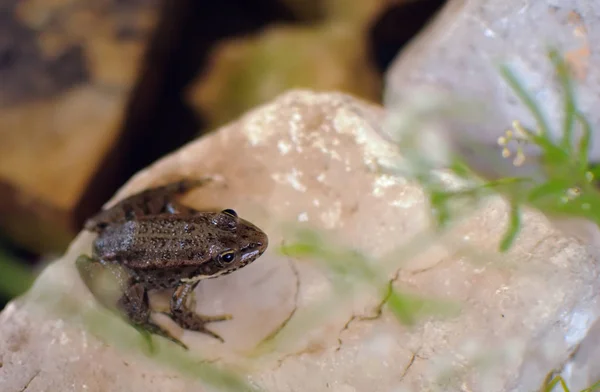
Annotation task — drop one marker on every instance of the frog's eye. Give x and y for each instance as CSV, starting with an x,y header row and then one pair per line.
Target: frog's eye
x,y
231,212
227,257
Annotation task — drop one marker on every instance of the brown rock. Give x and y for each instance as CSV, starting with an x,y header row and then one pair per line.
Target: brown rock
x,y
48,159
66,68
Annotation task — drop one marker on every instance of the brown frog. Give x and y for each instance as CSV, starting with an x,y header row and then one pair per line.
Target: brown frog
x,y
149,241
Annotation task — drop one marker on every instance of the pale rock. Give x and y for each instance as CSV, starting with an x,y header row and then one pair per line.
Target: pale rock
x,y
458,57
460,52
317,160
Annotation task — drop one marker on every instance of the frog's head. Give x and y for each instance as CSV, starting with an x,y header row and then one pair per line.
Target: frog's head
x,y
237,244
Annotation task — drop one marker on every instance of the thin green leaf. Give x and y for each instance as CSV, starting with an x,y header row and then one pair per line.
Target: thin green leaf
x,y
298,249
403,308
554,188
513,228
556,153
527,100
562,72
584,142
586,205
461,169
563,384
506,183
549,385
408,308
439,205
595,387
594,169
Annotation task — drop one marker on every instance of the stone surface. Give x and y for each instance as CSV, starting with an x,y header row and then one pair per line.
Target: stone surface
x,y
460,53
315,159
66,68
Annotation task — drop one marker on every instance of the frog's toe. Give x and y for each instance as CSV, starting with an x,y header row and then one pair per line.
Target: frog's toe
x,y
199,327
187,184
196,322
149,328
212,319
211,333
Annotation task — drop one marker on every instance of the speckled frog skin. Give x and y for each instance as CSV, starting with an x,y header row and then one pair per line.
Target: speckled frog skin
x,y
149,241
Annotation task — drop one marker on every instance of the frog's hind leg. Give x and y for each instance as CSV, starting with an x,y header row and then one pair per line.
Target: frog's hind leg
x,y
188,319
163,197
131,298
124,297
135,306
152,201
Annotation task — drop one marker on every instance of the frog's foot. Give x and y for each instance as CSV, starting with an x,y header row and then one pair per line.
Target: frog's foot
x,y
182,186
167,192
152,201
187,319
135,307
196,322
134,304
147,329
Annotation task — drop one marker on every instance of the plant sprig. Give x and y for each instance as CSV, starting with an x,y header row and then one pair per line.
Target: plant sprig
x,y
567,188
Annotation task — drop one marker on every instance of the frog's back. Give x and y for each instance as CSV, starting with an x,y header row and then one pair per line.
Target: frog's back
x,y
158,242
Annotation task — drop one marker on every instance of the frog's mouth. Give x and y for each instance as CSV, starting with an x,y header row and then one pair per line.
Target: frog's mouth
x,y
251,252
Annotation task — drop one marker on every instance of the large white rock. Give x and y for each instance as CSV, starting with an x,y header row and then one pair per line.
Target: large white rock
x,y
314,159
460,53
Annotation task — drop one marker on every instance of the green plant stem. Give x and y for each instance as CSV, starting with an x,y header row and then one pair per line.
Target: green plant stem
x,y
527,100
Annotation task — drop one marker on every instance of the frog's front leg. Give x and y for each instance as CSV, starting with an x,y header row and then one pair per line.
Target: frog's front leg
x,y
152,201
122,295
135,306
188,319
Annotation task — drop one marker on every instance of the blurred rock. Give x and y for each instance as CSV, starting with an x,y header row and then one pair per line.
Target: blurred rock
x,y
251,71
51,51
314,160
329,54
459,53
396,25
308,10
111,34
583,368
66,68
49,152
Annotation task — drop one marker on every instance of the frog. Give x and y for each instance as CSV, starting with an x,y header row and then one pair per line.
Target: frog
x,y
151,241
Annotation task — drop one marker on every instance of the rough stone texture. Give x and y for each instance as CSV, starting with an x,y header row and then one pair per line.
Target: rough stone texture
x,y
313,159
461,50
66,68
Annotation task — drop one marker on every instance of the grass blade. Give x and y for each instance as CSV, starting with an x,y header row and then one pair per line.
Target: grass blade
x,y
562,71
527,100
584,142
513,228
